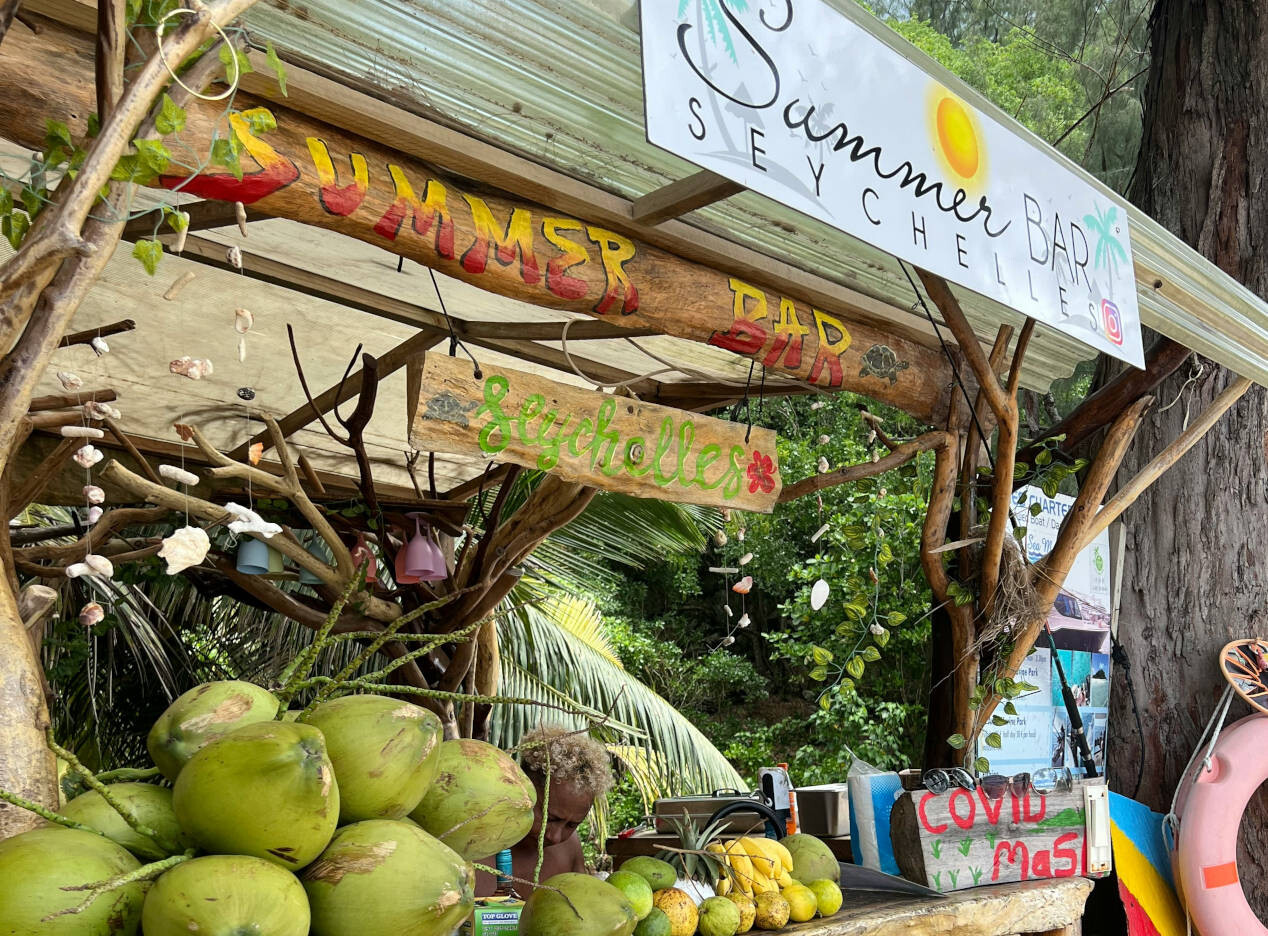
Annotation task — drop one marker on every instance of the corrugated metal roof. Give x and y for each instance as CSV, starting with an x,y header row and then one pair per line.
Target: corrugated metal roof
x,y
560,83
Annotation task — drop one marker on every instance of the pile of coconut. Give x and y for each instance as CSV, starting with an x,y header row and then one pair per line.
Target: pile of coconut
x,y
351,818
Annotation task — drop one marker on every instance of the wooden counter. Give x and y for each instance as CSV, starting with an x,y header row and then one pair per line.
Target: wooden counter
x,y
1035,908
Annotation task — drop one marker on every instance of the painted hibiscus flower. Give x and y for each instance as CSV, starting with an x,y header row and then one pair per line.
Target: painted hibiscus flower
x,y
761,474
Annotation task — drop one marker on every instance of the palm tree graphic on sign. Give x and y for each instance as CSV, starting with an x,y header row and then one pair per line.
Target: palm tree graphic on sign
x,y
1109,252
715,22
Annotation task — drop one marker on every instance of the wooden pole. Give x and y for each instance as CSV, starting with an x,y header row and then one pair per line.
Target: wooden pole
x,y
1131,491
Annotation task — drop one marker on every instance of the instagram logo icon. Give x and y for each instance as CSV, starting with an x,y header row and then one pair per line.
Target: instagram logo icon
x,y
1113,321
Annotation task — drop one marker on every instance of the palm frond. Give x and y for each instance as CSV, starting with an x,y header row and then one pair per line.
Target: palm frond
x,y
565,653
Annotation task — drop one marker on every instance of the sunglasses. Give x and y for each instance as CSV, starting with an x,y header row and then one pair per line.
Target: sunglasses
x,y
997,786
938,780
1052,780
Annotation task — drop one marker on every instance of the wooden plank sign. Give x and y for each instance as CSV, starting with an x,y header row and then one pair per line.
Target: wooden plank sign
x,y
964,839
297,168
605,441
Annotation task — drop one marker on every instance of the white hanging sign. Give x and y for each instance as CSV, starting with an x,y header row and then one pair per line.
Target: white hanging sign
x,y
797,101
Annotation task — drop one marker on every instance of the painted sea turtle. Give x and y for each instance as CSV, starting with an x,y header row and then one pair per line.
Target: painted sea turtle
x,y
880,361
446,407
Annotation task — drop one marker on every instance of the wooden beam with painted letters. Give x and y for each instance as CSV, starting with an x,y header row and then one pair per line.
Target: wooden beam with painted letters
x,y
605,441
298,168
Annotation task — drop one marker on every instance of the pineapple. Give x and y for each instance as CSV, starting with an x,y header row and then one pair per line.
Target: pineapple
x,y
698,869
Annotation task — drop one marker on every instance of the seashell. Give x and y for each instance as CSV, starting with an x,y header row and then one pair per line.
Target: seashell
x,y
822,465
818,534
242,350
819,594
181,234
99,345
727,609
877,628
101,566
234,256
94,494
726,514
743,586
882,492
91,613
728,640
719,538
81,432
185,278
193,368
255,452
88,456
94,566
95,410
240,212
187,547
876,456
743,621
179,475
818,404
248,521
69,381
243,319
739,535
746,559
824,439
94,514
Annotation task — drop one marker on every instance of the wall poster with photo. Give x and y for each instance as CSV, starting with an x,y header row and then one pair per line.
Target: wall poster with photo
x,y
1040,735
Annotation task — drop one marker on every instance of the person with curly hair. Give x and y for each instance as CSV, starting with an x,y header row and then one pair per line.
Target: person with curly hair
x,y
580,771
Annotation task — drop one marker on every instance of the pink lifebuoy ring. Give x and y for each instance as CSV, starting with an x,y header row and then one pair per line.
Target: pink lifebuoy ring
x,y
1210,807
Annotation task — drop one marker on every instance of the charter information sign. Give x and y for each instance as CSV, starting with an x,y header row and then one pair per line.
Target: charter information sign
x,y
797,101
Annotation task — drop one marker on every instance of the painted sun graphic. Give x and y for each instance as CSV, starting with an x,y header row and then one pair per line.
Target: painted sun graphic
x,y
957,140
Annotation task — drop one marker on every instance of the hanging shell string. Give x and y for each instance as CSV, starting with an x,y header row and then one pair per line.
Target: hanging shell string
x,y
250,496
184,486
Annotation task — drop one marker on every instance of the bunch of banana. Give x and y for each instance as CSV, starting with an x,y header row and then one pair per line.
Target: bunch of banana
x,y
752,866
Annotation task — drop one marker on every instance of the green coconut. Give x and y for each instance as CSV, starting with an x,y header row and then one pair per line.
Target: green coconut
x,y
385,877
266,790
203,714
226,895
37,866
385,753
150,805
480,802
812,859
592,908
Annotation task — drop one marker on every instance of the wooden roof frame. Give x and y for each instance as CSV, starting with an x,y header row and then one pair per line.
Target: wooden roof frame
x,y
651,218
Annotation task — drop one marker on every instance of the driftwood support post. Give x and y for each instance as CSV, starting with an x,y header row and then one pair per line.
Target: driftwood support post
x,y
41,287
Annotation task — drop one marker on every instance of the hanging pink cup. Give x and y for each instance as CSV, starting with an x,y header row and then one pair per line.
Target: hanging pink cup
x,y
401,568
423,557
362,555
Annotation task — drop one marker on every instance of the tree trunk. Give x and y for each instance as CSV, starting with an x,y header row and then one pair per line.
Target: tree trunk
x,y
1196,570
26,765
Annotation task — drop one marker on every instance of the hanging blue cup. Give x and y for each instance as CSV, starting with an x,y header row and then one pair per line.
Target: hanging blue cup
x,y
253,557
318,550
